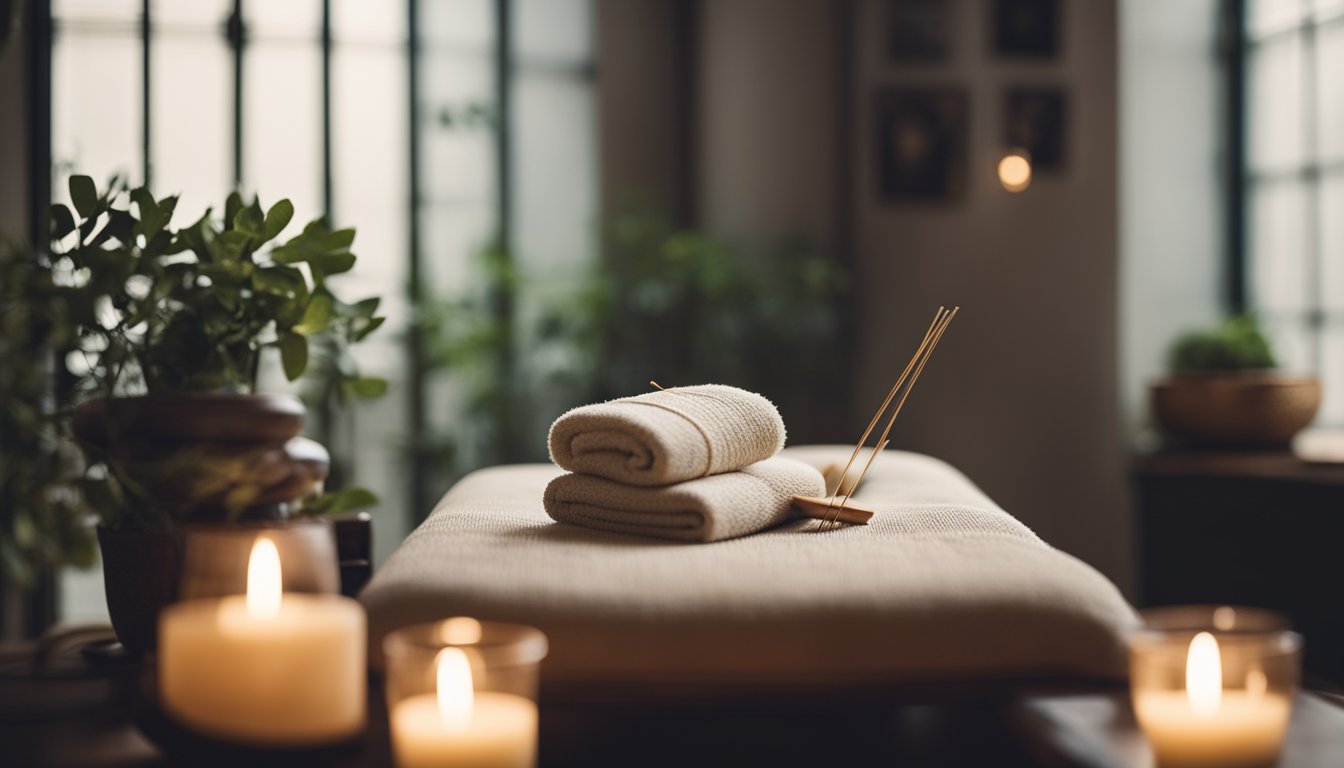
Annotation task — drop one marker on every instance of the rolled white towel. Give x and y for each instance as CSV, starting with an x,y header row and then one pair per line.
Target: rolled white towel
x,y
722,506
668,436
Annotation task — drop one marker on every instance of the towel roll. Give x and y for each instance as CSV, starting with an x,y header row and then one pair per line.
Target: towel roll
x,y
668,436
722,506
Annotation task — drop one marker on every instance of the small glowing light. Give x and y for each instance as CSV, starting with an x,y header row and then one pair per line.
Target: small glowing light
x,y
1204,675
1015,171
456,697
460,630
263,580
1224,618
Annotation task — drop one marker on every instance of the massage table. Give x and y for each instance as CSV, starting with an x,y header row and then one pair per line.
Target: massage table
x,y
791,646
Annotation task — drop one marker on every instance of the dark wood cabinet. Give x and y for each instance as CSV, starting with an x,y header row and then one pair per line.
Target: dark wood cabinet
x,y
1263,529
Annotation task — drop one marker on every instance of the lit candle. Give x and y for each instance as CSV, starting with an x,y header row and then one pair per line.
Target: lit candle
x,y
459,726
1208,723
268,667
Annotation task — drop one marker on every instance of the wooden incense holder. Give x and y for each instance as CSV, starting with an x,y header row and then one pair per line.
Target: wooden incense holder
x,y
837,508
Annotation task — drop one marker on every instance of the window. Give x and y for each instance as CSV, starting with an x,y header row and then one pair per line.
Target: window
x,y
1293,184
346,107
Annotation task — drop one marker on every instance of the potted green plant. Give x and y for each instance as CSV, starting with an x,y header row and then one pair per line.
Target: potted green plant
x,y
172,326
1224,390
42,501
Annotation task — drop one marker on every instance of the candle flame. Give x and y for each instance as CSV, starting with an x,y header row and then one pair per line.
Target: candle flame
x,y
456,696
1204,675
263,580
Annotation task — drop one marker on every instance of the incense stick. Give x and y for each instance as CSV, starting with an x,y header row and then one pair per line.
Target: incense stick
x,y
882,441
942,319
887,402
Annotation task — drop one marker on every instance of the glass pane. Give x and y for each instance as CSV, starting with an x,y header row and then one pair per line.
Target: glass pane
x,y
1274,105
95,107
1292,340
1278,259
1269,16
1332,374
370,21
192,141
206,14
96,10
451,238
460,23
369,112
1330,91
282,130
554,189
553,30
457,144
291,19
1326,9
1332,241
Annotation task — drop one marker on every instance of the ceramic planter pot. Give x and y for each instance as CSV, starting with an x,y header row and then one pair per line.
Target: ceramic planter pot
x,y
1236,409
206,456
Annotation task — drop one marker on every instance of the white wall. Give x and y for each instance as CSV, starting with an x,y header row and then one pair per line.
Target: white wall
x,y
1171,225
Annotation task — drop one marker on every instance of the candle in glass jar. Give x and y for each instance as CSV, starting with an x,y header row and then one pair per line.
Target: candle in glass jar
x,y
459,726
1209,725
268,667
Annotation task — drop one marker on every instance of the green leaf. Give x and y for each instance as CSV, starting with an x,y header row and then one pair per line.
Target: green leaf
x,y
338,241
277,219
280,280
153,217
316,316
367,307
62,222
352,499
368,327
368,387
250,221
293,354
84,194
231,208
332,263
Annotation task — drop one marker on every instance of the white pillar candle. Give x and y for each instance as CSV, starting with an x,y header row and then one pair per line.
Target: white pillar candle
x,y
458,726
1207,725
267,668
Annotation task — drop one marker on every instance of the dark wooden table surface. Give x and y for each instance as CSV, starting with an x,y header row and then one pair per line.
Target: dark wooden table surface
x,y
70,716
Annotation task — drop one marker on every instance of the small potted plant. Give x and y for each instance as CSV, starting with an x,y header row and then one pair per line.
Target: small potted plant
x,y
171,328
1224,390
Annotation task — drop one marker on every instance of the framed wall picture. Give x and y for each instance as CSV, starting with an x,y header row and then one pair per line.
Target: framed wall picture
x,y
919,31
1026,28
1036,119
922,143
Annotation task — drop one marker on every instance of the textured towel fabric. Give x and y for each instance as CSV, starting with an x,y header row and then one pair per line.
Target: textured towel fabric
x,y
942,586
668,436
712,508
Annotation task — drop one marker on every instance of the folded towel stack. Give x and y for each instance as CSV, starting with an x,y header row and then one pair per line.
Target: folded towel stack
x,y
690,463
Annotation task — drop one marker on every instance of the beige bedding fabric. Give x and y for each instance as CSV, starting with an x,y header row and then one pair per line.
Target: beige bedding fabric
x,y
941,586
713,508
668,436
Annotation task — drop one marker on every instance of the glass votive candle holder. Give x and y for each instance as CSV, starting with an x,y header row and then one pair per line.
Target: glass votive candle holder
x,y
1214,685
463,692
261,650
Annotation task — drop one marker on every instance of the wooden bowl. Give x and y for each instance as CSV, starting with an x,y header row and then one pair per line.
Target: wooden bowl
x,y
1245,409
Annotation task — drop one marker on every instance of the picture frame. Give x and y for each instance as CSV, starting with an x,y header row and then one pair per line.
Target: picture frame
x,y
922,142
1035,119
1026,28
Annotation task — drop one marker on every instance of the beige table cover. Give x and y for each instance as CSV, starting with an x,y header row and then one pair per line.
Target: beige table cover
x,y
942,586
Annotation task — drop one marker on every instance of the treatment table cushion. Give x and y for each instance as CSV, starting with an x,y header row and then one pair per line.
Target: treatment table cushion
x,y
941,586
